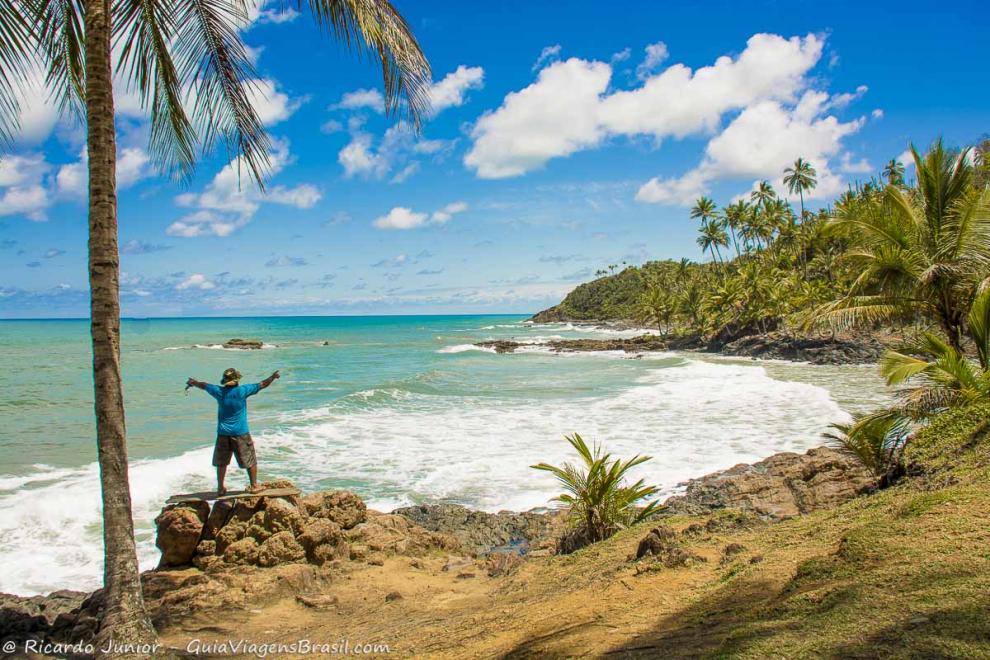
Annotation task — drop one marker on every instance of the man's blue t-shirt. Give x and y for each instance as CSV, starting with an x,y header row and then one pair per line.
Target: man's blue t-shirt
x,y
232,412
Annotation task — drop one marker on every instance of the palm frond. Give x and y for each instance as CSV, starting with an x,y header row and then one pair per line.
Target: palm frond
x,y
211,58
376,24
17,57
143,31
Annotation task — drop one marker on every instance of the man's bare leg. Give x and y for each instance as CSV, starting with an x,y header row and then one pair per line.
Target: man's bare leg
x,y
221,473
253,477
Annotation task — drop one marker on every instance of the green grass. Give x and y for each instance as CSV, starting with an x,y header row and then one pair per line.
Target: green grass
x,y
901,573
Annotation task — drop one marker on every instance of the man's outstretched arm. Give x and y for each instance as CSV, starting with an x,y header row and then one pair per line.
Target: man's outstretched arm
x,y
268,381
192,382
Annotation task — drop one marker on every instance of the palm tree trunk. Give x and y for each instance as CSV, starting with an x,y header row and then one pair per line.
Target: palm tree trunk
x,y
125,620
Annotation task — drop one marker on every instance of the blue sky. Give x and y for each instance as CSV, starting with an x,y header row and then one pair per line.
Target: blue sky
x,y
564,137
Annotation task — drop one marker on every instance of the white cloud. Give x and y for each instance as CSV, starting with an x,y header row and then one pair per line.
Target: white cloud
x,y
849,166
877,113
358,157
656,54
37,112
405,172
22,189
402,217
555,116
621,56
549,53
331,126
195,281
230,201
30,201
906,158
567,108
362,98
449,92
448,212
759,143
271,105
133,165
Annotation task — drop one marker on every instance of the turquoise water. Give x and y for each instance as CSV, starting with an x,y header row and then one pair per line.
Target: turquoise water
x,y
399,409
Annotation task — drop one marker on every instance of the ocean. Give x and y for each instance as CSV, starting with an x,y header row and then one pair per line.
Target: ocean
x,y
400,409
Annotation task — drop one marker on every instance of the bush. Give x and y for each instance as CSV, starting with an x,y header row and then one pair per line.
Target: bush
x,y
600,502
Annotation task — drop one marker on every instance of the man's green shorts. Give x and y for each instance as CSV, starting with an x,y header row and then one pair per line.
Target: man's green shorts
x,y
241,446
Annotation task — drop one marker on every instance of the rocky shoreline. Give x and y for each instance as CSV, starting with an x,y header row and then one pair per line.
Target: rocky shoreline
x,y
254,550
852,349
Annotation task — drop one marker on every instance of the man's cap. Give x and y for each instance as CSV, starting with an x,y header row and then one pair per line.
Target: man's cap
x,y
230,377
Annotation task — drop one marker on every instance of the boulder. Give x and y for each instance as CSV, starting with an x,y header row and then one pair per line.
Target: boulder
x,y
661,544
339,506
395,534
178,530
281,548
281,516
319,532
782,486
244,551
246,344
503,563
479,533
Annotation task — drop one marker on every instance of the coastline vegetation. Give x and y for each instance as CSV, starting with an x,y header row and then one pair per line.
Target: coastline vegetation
x,y
913,255
600,503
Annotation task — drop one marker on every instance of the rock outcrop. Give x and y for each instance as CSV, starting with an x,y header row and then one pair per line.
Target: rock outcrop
x,y
643,343
274,531
816,350
246,344
782,486
480,533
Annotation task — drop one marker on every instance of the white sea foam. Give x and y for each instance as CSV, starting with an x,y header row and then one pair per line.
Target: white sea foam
x,y
215,347
404,447
464,348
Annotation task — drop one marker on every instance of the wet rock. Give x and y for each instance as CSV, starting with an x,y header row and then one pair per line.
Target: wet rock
x,y
246,344
782,486
392,595
53,616
816,350
644,343
179,527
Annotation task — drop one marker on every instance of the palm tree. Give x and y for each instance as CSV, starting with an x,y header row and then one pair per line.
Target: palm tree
x,y
924,252
763,195
711,237
704,209
735,218
943,376
600,502
169,52
800,177
893,171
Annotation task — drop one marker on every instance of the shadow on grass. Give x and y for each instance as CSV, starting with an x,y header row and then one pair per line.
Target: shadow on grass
x,y
743,617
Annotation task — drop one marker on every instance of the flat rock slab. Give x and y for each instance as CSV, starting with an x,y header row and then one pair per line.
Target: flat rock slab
x,y
208,495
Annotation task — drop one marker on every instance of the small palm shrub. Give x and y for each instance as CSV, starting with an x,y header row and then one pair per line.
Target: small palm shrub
x,y
600,502
876,441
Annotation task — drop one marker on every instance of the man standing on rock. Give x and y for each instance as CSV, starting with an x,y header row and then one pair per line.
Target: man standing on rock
x,y
233,436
